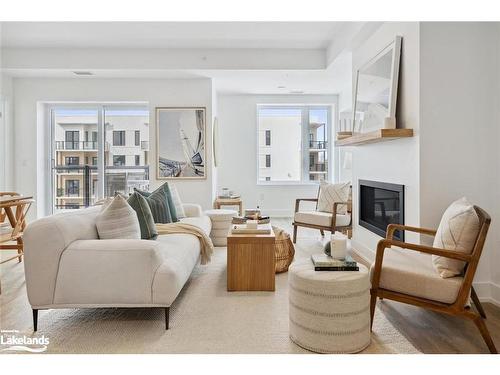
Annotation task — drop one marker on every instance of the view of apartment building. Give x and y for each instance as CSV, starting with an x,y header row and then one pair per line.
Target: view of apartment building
x,y
77,167
282,133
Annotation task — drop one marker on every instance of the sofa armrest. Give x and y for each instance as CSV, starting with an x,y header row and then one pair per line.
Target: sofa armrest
x,y
192,209
115,272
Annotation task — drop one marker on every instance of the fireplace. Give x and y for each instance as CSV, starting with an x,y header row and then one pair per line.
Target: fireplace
x,y
381,204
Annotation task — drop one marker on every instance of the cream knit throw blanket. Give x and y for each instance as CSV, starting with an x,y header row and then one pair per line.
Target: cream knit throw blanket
x,y
207,247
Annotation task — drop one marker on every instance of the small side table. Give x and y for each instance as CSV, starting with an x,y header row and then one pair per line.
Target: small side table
x,y
251,262
219,202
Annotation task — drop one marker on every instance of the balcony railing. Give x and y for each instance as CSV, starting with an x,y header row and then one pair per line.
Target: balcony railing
x,y
81,145
144,145
318,144
121,179
320,167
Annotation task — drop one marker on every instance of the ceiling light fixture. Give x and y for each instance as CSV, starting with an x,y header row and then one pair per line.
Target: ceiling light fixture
x,y
83,73
296,91
282,87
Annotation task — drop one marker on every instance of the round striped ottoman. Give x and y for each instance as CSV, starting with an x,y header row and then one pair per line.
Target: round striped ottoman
x,y
221,222
329,312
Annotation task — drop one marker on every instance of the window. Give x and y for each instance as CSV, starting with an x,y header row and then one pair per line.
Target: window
x,y
95,129
72,139
137,137
268,137
72,160
268,161
300,143
72,188
119,138
118,160
137,159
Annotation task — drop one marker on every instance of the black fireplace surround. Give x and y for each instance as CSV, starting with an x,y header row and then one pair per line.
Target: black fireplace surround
x,y
381,204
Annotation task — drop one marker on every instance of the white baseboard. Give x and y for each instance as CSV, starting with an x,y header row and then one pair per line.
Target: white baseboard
x,y
278,212
486,291
364,252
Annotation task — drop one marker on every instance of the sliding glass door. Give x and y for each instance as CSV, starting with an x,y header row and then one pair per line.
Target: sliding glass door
x,y
97,151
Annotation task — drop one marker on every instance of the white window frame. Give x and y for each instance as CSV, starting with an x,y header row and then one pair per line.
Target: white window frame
x,y
101,108
331,151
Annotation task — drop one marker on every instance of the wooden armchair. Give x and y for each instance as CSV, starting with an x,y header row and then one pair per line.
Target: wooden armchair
x,y
322,220
420,285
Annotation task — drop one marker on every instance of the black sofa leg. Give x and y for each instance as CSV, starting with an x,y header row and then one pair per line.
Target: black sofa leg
x,y
167,316
35,320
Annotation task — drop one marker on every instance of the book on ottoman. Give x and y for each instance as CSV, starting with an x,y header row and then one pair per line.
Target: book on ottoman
x,y
323,262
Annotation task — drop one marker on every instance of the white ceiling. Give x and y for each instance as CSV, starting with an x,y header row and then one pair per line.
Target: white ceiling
x,y
236,36
169,34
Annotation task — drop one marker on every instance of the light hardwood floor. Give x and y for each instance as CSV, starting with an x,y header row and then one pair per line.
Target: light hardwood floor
x,y
428,331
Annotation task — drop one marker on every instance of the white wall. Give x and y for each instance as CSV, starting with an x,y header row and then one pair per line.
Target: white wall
x,y
30,130
237,115
459,129
6,134
394,161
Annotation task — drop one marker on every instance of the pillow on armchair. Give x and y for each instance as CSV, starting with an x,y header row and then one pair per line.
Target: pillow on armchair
x,y
457,231
331,193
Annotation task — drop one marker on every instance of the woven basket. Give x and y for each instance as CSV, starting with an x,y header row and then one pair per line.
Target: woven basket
x,y
284,250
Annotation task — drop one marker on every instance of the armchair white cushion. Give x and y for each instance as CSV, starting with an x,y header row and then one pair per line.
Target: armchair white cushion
x,y
413,273
321,218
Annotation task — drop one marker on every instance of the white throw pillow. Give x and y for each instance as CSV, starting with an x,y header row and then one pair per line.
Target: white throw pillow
x,y
331,193
179,208
457,231
118,220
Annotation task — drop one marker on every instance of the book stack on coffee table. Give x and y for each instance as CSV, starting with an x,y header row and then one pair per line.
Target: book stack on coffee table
x,y
323,262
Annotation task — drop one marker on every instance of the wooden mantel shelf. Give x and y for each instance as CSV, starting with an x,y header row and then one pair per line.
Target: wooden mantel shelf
x,y
375,136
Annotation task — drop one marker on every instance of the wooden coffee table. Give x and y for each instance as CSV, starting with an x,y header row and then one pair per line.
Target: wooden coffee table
x,y
250,262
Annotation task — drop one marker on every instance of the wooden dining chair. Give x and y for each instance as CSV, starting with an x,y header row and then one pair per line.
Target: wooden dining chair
x,y
442,300
16,213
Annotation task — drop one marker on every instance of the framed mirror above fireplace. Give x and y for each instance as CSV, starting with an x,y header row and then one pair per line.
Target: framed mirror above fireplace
x,y
381,204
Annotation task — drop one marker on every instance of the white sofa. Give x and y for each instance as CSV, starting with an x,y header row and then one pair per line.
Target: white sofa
x,y
67,266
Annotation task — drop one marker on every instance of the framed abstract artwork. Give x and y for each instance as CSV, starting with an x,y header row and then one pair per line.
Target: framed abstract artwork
x,y
180,143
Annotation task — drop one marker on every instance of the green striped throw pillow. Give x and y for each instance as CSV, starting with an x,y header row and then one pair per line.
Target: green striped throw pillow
x,y
145,216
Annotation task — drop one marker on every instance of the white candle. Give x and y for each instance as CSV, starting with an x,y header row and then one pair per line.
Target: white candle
x,y
338,246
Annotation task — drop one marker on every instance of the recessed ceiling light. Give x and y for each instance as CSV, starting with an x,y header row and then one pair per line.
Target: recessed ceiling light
x,y
296,91
282,87
82,73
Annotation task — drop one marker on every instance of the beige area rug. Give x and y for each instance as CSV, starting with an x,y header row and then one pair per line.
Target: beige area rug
x,y
205,318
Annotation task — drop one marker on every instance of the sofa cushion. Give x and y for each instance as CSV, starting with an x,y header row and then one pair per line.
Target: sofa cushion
x,y
331,193
145,216
457,231
118,220
176,199
159,204
412,273
321,218
202,222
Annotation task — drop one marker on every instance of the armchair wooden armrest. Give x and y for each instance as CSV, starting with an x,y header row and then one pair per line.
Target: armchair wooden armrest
x,y
298,200
391,228
334,214
383,244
